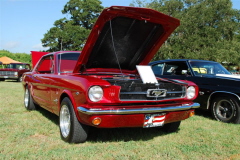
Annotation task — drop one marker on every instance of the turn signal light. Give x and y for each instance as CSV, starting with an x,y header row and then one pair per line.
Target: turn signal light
x,y
96,121
192,113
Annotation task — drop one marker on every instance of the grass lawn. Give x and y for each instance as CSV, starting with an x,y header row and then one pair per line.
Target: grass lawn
x,y
35,135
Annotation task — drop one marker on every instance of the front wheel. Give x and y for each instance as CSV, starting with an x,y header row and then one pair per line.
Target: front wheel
x,y
28,101
19,79
226,109
71,130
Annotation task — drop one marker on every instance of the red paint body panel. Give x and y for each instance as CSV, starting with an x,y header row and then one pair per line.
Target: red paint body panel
x,y
133,120
36,56
144,14
123,89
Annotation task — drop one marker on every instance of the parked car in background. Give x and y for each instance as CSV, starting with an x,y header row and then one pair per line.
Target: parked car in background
x,y
219,90
101,87
14,71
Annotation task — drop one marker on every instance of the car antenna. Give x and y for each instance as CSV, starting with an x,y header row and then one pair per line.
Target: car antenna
x,y
115,49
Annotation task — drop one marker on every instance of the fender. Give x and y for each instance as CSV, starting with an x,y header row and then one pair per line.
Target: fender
x,y
224,92
70,96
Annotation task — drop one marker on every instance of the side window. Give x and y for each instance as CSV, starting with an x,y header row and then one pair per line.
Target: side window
x,y
46,65
157,69
176,68
67,62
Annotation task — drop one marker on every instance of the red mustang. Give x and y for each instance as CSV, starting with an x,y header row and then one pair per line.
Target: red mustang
x,y
102,85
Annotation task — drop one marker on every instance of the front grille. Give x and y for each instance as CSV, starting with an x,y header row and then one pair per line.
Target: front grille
x,y
6,73
136,90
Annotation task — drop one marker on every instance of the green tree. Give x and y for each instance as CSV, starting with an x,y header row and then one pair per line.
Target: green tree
x,y
83,12
71,34
208,30
21,57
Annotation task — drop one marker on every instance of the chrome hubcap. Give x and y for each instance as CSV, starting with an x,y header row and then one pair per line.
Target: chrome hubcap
x,y
26,98
225,110
65,122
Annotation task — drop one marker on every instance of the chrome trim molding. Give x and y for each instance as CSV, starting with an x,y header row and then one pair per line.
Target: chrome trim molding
x,y
138,110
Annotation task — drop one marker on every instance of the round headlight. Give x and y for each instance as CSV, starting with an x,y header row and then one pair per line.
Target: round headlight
x,y
95,93
191,92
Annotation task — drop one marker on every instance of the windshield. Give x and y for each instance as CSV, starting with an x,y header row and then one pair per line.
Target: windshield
x,y
208,68
17,66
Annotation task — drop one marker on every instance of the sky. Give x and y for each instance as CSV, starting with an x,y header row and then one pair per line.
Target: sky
x,y
23,23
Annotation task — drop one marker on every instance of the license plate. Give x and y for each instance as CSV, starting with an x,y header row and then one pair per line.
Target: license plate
x,y
154,120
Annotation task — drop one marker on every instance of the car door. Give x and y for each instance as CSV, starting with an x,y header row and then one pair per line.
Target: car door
x,y
41,86
64,65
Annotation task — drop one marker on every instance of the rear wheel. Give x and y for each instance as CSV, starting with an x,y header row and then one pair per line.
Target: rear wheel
x,y
226,109
28,101
171,127
71,130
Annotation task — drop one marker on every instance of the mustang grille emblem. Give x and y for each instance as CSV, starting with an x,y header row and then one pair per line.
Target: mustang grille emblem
x,y
156,92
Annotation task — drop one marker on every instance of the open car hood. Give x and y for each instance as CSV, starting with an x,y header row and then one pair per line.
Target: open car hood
x,y
124,37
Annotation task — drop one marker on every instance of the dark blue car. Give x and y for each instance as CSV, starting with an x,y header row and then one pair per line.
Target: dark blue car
x,y
219,90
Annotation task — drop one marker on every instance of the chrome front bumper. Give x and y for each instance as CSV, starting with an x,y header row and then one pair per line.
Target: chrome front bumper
x,y
138,110
9,77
